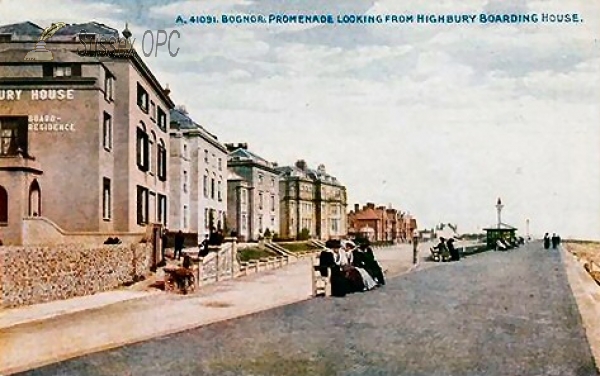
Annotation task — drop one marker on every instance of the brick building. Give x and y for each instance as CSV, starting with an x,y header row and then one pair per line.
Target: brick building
x,y
380,223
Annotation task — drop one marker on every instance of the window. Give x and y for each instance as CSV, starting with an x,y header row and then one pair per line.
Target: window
x,y
13,135
108,85
107,131
162,209
142,205
142,98
205,186
3,205
184,150
185,181
62,71
206,215
244,195
260,200
162,119
162,161
152,156
260,179
153,111
212,188
206,156
260,223
273,222
185,216
219,197
142,147
272,202
243,221
220,164
35,199
106,199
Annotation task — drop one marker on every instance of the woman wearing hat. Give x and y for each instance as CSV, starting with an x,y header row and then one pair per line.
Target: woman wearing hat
x,y
334,258
366,281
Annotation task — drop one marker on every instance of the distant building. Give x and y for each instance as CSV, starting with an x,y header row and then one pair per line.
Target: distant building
x,y
198,174
259,210
380,223
83,137
312,200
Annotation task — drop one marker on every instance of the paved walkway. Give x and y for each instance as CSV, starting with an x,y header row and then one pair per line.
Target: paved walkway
x,y
495,313
46,333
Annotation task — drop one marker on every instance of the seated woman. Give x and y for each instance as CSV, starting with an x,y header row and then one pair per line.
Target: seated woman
x,y
331,258
359,262
364,258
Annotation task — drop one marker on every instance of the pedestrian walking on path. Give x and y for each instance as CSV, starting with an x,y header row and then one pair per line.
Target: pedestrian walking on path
x,y
546,241
179,240
454,255
554,241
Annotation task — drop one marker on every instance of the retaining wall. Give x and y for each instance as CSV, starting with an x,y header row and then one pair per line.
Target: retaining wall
x,y
30,275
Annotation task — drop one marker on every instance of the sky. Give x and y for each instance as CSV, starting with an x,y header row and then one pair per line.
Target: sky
x,y
436,120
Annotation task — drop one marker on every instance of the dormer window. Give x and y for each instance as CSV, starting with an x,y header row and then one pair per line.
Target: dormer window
x,y
5,38
62,71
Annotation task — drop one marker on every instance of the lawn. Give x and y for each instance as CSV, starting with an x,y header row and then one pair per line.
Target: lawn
x,y
253,253
299,246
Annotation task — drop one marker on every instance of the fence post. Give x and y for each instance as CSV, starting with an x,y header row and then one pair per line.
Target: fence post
x,y
415,250
233,257
217,266
200,272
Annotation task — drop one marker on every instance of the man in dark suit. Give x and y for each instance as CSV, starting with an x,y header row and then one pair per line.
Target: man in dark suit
x,y
179,241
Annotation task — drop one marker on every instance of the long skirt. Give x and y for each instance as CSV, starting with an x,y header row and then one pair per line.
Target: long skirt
x,y
368,281
354,278
339,284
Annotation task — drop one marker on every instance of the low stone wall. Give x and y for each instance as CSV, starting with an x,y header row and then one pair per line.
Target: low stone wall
x,y
30,275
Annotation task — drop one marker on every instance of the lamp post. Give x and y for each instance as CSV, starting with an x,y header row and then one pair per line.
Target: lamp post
x,y
499,207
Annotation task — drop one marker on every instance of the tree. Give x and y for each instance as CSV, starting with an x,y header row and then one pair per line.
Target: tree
x,y
304,234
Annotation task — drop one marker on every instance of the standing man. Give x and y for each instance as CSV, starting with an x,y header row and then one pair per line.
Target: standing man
x,y
179,240
554,241
203,251
415,241
546,241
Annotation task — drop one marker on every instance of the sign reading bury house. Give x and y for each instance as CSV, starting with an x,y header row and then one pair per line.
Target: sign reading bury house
x,y
37,94
42,122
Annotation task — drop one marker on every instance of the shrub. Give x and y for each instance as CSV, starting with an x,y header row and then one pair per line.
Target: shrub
x,y
304,234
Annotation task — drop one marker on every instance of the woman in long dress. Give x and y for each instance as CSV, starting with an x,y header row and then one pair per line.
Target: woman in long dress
x,y
365,258
330,259
368,283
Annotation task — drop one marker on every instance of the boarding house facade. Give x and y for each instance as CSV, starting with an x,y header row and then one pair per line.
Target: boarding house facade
x,y
84,139
313,203
198,177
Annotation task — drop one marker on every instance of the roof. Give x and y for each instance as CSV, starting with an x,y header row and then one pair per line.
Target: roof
x,y
29,31
231,175
245,155
15,55
503,227
314,175
367,214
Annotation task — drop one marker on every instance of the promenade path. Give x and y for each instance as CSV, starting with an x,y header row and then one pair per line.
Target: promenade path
x,y
42,334
496,313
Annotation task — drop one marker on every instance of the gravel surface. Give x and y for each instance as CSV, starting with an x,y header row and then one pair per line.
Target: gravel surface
x,y
497,313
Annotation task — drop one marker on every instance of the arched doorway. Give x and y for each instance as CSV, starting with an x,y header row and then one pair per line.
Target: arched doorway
x,y
35,199
3,205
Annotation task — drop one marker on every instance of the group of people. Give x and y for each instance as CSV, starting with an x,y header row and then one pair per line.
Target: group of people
x,y
215,238
351,268
446,250
555,240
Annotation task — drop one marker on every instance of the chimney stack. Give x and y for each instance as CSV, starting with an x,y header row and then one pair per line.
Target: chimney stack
x,y
301,164
356,208
167,91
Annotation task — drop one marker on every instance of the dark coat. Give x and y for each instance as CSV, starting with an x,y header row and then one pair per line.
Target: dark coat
x,y
179,241
365,259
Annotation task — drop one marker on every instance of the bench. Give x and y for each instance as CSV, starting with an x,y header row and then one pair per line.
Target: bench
x,y
321,285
